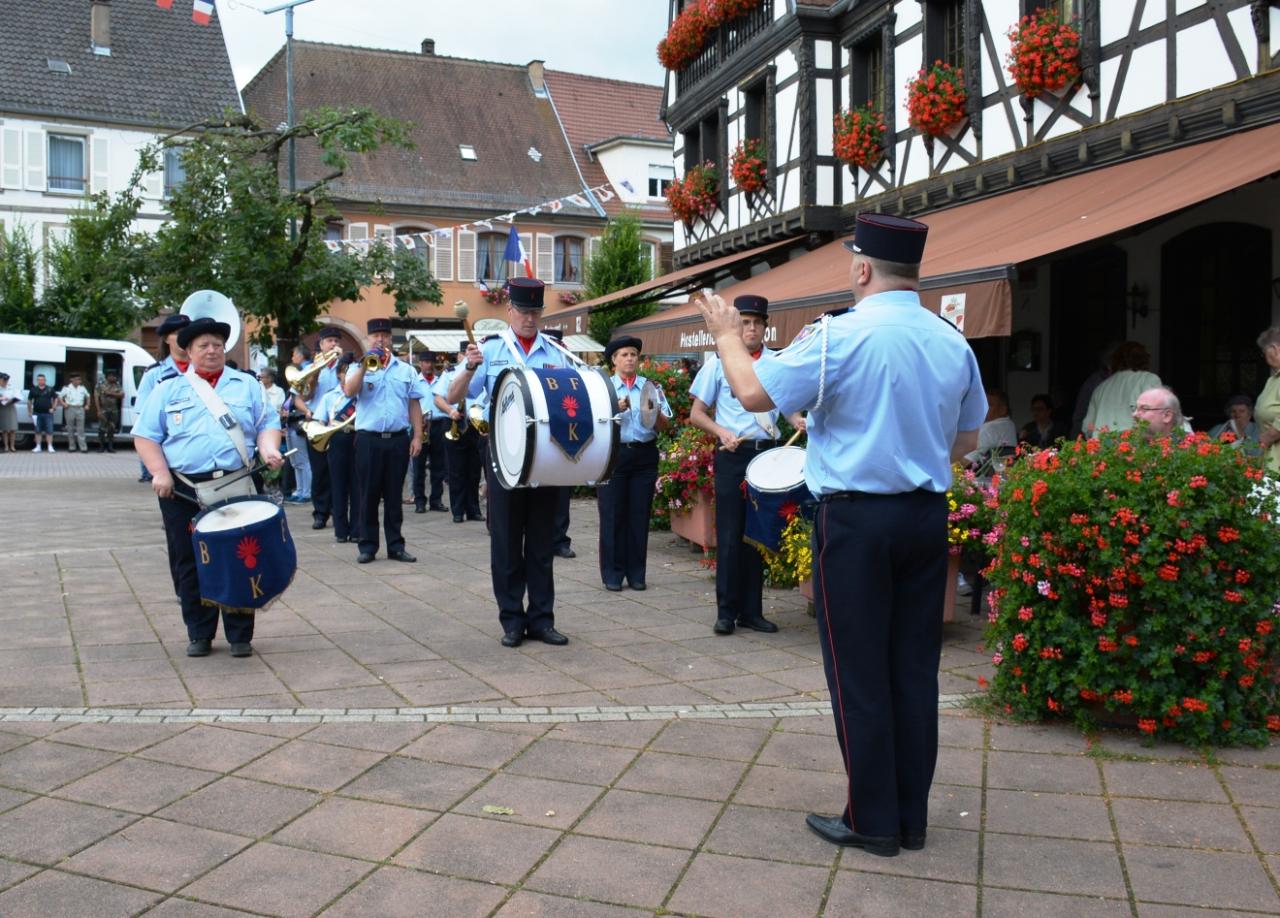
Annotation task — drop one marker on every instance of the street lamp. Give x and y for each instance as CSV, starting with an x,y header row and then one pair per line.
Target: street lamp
x,y
288,93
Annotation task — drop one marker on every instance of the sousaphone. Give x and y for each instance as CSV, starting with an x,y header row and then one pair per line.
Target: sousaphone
x,y
210,304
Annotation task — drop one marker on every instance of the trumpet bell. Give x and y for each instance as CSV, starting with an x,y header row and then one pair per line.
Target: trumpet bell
x,y
478,420
211,304
319,433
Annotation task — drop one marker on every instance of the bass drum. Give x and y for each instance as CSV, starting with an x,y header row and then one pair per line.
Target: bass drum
x,y
553,427
245,557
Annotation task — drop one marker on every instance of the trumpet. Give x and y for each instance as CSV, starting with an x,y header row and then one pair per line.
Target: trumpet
x,y
476,415
304,381
377,359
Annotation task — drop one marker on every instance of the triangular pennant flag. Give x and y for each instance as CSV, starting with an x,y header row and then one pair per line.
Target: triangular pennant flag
x,y
332,245
444,232
485,224
555,207
627,185
406,241
202,12
578,200
605,195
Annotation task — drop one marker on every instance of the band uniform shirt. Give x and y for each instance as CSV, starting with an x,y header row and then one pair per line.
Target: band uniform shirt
x,y
147,384
713,389
429,409
193,440
325,380
498,355
329,405
41,399
900,383
382,404
632,430
74,396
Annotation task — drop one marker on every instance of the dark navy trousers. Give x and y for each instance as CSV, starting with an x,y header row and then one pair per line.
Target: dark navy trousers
x,y
381,463
464,473
522,525
880,568
625,504
344,496
432,455
739,567
562,518
321,499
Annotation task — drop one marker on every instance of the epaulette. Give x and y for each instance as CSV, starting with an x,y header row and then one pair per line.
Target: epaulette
x,y
158,363
173,373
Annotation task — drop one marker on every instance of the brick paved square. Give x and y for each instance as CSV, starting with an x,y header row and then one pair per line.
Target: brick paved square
x,y
117,738
74,895
683,775
1258,786
1173,781
312,766
868,895
1180,824
537,905
1061,815
798,750
1057,738
781,835
1264,824
1061,774
240,807
11,872
948,854
44,765
456,744
393,892
492,850
958,766
736,887
215,748
137,785
355,828
652,818
1009,903
1053,865
156,854
793,789
631,734
562,760
46,830
426,785
278,880
955,807
374,737
1206,878
536,801
709,739
614,871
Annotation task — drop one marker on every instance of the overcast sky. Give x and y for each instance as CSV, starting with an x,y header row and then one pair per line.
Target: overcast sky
x,y
609,38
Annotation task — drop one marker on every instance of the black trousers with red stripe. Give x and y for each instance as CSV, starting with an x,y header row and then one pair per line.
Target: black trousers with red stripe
x,y
880,568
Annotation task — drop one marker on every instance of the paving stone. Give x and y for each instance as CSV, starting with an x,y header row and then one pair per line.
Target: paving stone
x,y
215,748
375,737
1055,738
393,892
959,766
462,745
631,734
797,750
792,789
948,854
711,740
1172,781
278,880
1059,815
1037,772
311,765
612,871
1249,757
74,895
185,908
1181,824
1129,743
44,765
116,739
1009,903
1257,786
11,798
737,887
1151,910
136,784
1198,877
867,895
781,835
240,807
426,785
156,854
536,801
1053,865
11,872
567,761
537,905
46,830
482,849
653,818
683,776
1264,824
355,828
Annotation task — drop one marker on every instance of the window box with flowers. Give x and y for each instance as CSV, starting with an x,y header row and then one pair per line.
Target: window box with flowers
x,y
859,136
696,195
1044,54
748,166
570,298
497,296
690,31
936,99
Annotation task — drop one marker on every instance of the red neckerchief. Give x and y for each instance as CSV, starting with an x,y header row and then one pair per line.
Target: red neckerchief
x,y
181,364
210,378
429,377
628,381
756,355
527,343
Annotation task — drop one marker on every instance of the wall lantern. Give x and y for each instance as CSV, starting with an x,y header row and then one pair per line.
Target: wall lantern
x,y
1137,297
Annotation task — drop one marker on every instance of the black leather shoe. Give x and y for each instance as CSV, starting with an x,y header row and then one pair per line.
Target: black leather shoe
x,y
912,841
564,551
613,587
476,517
457,519
342,539
758,624
364,557
419,508
833,829
438,507
244,649
638,586
318,524
512,639
550,636
199,648
401,555
723,626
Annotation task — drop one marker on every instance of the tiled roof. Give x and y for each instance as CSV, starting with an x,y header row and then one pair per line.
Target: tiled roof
x,y
163,70
594,109
450,101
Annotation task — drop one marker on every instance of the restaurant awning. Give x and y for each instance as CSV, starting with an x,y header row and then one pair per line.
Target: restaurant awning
x,y
974,248
442,341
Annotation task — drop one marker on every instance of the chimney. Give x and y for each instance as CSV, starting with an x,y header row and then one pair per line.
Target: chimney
x,y
428,46
100,25
537,77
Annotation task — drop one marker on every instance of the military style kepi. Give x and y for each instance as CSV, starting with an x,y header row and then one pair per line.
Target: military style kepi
x,y
526,292
751,305
888,238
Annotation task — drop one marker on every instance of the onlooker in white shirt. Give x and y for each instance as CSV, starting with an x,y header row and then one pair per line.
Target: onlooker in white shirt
x,y
74,397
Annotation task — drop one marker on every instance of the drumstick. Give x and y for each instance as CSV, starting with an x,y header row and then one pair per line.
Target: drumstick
x,y
794,437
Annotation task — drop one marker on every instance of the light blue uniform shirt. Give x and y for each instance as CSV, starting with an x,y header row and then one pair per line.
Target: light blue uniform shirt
x,y
193,441
711,386
330,403
382,404
632,430
149,380
498,356
429,409
326,381
900,382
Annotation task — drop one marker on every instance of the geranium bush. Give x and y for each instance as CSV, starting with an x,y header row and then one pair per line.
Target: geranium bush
x,y
1139,577
1044,54
696,195
689,32
974,526
859,136
936,99
686,471
747,165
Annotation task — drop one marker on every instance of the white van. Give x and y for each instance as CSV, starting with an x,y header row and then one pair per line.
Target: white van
x,y
24,357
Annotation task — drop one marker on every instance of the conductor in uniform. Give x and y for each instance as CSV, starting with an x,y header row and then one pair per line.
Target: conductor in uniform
x,y
743,434
327,379
388,433
177,433
522,520
899,401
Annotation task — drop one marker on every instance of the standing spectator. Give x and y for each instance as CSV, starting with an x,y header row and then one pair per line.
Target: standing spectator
x,y
74,397
274,395
1111,405
41,400
998,431
1043,430
1240,424
1267,410
107,399
1101,370
295,440
8,414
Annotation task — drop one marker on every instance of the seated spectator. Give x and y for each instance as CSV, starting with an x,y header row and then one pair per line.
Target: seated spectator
x,y
997,432
1240,424
1111,407
1160,408
1043,430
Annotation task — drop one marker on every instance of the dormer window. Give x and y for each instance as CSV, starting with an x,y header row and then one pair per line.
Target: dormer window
x,y
467,152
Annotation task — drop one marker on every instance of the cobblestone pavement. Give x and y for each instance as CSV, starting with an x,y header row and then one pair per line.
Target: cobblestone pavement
x,y
382,754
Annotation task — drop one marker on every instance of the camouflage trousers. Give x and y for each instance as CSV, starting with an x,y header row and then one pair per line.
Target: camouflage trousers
x,y
108,424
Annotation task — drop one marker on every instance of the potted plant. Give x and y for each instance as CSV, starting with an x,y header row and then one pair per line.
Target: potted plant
x,y
859,136
936,99
497,295
748,167
571,298
1044,53
697,195
686,486
685,38
792,564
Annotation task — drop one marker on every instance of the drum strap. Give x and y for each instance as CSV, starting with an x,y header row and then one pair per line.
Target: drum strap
x,y
218,408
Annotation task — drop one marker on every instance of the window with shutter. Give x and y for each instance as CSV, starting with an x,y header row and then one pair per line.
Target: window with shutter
x,y
67,167
357,231
10,158
545,268
444,254
466,256
35,161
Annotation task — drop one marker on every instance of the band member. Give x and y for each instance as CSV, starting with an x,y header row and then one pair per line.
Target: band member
x,y
330,340
563,544
899,401
107,399
388,412
434,425
176,432
462,444
344,496
520,537
171,356
627,499
742,435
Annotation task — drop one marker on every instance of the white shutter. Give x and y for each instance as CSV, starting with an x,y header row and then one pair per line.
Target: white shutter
x,y
357,231
466,255
526,242
153,185
10,158
444,254
383,232
546,263
101,164
593,246
35,161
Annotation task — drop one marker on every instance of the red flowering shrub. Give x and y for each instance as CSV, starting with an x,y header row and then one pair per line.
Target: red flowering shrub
x,y
747,165
936,98
696,195
1108,594
1045,53
859,136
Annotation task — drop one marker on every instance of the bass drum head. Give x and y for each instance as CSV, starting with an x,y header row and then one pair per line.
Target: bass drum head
x,y
778,469
511,435
235,513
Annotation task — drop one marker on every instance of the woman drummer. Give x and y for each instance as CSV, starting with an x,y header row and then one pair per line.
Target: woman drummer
x,y
177,433
626,500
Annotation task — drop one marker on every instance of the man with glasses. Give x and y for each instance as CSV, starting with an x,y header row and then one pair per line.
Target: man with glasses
x,y
1162,411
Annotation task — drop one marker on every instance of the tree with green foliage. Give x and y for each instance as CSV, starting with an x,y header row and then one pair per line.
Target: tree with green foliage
x,y
619,263
19,308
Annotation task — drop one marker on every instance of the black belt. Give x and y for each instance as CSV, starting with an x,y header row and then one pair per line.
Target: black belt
x,y
209,476
758,445
859,495
640,445
384,434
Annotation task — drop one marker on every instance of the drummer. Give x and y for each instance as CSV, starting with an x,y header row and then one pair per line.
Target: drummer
x,y
627,499
522,519
743,435
177,432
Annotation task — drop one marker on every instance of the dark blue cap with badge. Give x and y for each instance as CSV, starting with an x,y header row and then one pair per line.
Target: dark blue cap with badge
x,y
329,331
526,292
889,238
172,324
378,325
751,305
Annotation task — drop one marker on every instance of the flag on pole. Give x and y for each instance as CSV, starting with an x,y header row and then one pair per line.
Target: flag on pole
x,y
332,245
515,252
201,11
165,4
482,287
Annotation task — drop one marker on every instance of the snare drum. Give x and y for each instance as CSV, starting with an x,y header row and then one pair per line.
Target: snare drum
x,y
245,556
775,491
553,427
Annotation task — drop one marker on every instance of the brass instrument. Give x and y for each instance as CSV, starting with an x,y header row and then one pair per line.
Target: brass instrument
x,y
304,381
462,311
319,433
476,415
377,359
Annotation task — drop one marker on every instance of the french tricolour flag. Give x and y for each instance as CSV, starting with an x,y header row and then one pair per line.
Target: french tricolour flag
x,y
201,11
515,252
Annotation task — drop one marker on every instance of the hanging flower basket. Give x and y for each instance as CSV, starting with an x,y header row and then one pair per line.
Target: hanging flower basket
x,y
1044,54
748,167
690,31
936,99
859,136
697,195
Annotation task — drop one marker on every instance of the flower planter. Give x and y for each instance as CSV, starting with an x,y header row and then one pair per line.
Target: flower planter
x,y
949,601
806,589
698,525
